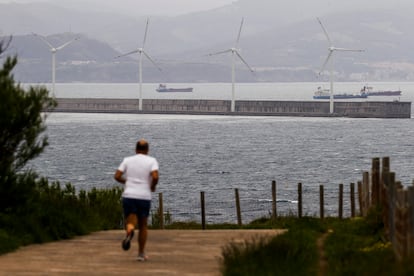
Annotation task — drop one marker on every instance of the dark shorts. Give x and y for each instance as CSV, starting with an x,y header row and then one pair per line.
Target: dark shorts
x,y
139,207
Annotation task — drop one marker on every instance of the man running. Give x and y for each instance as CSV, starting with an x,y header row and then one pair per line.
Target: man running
x,y
139,173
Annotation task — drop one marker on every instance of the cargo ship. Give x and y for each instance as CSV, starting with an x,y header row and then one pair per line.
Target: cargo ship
x,y
370,92
324,94
163,88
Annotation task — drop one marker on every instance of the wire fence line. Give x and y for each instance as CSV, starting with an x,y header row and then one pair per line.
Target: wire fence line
x,y
245,206
378,189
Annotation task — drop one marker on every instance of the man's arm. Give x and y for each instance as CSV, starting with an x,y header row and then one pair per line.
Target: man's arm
x,y
118,177
154,175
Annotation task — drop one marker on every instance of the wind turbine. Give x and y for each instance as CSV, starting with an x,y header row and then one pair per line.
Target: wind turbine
x,y
235,51
141,52
53,50
331,50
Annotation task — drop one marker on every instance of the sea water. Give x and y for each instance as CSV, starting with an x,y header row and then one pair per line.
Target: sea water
x,y
217,154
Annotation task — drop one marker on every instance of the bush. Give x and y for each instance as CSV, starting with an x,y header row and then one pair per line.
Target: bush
x,y
59,213
292,253
22,123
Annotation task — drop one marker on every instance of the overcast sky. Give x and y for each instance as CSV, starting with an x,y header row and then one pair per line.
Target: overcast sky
x,y
286,11
150,7
176,7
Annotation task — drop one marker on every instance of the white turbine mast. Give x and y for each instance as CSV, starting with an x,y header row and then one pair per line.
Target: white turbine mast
x,y
331,50
54,50
141,53
235,51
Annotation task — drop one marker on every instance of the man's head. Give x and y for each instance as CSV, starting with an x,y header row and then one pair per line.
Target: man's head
x,y
142,147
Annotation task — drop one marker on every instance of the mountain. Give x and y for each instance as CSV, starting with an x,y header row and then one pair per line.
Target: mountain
x,y
83,60
284,44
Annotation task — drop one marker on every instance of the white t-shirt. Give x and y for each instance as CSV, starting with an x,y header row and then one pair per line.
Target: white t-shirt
x,y
137,172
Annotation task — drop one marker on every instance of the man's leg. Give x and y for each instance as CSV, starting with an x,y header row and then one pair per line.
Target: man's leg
x,y
128,205
130,223
142,235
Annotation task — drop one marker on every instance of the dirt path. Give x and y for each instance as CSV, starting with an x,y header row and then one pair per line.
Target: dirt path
x,y
323,262
171,252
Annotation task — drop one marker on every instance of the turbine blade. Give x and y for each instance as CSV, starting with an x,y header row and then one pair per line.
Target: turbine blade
x,y
324,30
44,40
238,36
67,43
145,35
245,63
326,62
127,54
348,50
218,53
150,59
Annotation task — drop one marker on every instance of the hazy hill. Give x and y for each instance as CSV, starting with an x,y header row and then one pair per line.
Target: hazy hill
x,y
83,60
283,43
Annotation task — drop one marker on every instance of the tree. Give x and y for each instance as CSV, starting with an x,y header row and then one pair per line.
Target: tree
x,y
22,122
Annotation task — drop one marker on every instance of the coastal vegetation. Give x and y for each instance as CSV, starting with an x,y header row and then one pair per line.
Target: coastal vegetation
x,y
32,210
51,212
311,246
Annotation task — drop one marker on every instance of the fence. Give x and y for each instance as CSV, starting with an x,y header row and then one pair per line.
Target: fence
x,y
377,189
396,202
266,208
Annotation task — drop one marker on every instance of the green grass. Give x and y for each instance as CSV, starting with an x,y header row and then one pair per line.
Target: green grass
x,y
359,247
292,253
352,247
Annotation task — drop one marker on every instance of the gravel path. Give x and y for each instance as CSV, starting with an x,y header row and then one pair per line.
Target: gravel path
x,y
171,252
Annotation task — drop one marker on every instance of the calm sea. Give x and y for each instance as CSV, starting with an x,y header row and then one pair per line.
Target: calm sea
x,y
217,154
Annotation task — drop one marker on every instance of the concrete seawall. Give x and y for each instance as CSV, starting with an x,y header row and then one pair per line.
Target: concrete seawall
x,y
222,107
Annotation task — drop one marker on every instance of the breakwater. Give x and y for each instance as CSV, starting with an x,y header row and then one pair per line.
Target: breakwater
x,y
366,109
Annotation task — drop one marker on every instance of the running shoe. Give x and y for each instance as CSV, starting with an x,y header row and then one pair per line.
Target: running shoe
x,y
126,243
142,257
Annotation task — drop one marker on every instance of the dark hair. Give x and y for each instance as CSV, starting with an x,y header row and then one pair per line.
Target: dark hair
x,y
142,146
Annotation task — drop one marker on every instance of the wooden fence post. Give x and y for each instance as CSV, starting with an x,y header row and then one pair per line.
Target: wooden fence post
x,y
375,182
239,220
300,200
401,215
366,194
387,180
352,188
203,212
386,164
386,203
411,220
341,201
321,202
385,169
161,210
391,204
274,200
359,183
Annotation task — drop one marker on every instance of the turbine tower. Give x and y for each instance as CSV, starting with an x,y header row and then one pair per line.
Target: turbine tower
x,y
331,50
54,50
235,51
141,52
